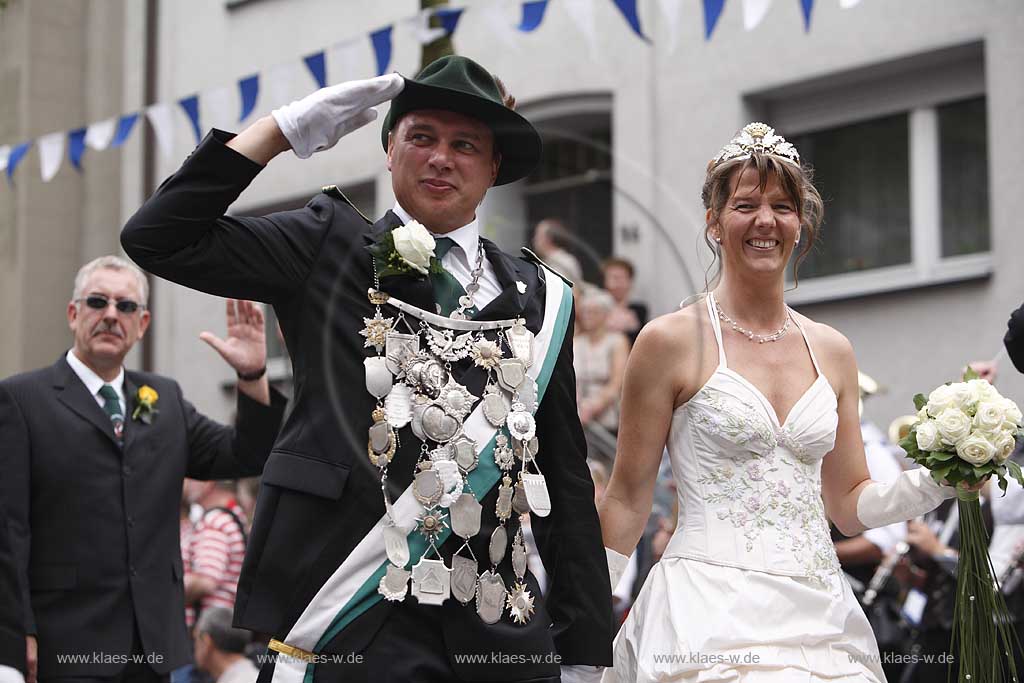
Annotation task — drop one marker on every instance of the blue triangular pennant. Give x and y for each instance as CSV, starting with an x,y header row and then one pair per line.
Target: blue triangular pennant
x,y
628,9
449,19
18,153
191,107
318,67
807,6
533,14
124,129
76,147
382,48
248,89
712,10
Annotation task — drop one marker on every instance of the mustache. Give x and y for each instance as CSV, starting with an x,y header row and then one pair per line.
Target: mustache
x,y
105,326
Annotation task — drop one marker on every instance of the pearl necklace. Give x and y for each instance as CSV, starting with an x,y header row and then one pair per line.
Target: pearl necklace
x,y
749,334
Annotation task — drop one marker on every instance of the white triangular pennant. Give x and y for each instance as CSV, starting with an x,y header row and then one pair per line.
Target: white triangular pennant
x,y
753,12
51,153
283,84
670,10
161,117
5,153
847,4
99,135
348,61
219,107
501,17
582,14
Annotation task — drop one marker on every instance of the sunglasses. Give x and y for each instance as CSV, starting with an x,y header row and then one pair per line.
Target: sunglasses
x,y
100,303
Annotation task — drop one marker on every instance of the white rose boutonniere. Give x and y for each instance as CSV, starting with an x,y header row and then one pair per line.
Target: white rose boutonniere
x,y
408,248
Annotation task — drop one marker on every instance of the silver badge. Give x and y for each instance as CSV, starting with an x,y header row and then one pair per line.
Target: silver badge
x,y
495,406
431,582
399,349
511,373
503,507
417,420
427,487
498,545
465,513
527,450
490,597
520,604
503,457
394,584
519,555
396,544
438,425
465,453
456,399
463,579
521,341
448,346
521,424
378,378
398,406
528,394
519,501
537,494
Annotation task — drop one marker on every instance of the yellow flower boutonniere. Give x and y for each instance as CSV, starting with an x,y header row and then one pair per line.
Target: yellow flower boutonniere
x,y
145,404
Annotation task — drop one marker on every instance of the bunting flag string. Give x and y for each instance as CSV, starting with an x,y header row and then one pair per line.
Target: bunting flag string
x,y
230,105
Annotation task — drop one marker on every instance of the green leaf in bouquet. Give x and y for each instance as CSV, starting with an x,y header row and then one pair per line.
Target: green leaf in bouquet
x,y
920,401
981,472
969,374
1015,471
965,469
1002,483
940,473
942,456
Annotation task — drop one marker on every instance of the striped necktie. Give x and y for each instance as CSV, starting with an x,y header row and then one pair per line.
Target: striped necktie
x,y
112,407
447,290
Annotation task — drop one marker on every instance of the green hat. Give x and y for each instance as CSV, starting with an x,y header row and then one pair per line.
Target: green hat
x,y
459,84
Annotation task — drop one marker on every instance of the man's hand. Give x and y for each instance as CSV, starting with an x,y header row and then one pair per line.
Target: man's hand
x,y
31,659
986,369
923,538
245,348
318,121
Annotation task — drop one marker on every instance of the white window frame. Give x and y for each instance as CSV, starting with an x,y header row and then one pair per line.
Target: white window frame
x,y
914,86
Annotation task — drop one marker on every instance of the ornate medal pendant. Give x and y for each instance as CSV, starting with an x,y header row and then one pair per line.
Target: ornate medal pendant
x,y
519,502
520,423
382,442
431,523
536,490
503,507
528,394
495,407
438,425
399,349
511,373
448,346
485,354
394,584
376,331
396,544
426,374
490,597
498,545
431,582
527,450
426,487
503,457
465,453
456,399
520,340
465,513
464,579
378,378
398,405
519,555
419,405
520,604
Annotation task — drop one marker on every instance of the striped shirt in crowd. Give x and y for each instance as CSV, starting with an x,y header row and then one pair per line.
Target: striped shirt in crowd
x,y
217,551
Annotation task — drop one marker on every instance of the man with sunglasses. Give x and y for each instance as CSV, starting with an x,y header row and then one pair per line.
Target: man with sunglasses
x,y
92,465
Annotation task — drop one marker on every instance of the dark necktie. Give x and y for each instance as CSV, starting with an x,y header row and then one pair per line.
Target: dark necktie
x,y
112,407
447,290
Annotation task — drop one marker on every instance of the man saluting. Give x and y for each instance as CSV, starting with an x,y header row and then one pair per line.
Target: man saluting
x,y
434,396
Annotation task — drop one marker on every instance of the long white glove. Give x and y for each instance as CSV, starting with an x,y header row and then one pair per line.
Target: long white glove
x,y
912,494
617,563
318,121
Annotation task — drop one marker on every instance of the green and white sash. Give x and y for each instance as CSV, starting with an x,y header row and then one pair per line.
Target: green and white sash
x,y
353,585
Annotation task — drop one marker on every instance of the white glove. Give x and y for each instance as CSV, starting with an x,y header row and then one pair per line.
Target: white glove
x,y
318,121
581,673
912,494
617,563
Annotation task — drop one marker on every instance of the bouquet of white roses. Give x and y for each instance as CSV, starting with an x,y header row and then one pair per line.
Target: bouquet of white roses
x,y
965,434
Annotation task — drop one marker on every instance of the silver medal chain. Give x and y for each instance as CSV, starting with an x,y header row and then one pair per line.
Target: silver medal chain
x,y
750,334
466,301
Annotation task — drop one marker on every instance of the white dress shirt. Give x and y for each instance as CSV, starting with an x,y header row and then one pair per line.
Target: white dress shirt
x,y
461,259
94,382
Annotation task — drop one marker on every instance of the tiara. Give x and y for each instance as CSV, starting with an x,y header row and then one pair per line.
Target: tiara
x,y
759,138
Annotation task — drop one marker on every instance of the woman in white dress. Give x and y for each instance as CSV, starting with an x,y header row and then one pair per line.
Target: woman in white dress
x,y
758,407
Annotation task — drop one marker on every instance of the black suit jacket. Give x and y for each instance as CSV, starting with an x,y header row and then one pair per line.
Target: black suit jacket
x,y
320,495
12,632
95,526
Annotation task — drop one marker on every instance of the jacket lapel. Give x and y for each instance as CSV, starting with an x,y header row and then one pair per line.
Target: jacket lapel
x,y
131,390
411,288
73,394
510,303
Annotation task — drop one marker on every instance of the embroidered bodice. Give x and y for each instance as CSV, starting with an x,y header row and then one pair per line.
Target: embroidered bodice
x,y
750,488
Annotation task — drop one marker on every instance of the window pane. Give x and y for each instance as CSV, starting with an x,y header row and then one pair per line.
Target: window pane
x,y
963,158
863,174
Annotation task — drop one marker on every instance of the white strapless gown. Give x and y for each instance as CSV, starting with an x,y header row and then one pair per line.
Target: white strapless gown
x,y
749,589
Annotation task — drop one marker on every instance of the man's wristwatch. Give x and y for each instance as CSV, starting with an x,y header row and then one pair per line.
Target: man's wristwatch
x,y
252,376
